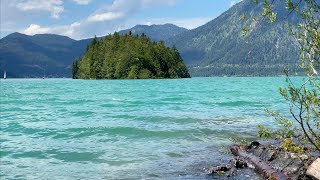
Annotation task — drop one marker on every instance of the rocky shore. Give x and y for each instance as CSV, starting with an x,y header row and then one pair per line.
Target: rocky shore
x,y
271,162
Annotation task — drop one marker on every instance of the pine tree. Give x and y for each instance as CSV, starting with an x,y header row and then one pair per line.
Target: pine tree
x,y
129,57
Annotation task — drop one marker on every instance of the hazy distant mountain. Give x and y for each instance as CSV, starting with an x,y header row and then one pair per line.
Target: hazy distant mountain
x,y
156,32
52,55
217,48
32,56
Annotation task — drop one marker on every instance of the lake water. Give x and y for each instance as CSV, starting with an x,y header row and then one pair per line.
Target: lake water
x,y
128,129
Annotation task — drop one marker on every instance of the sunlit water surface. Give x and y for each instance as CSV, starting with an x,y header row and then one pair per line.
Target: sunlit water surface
x,y
127,129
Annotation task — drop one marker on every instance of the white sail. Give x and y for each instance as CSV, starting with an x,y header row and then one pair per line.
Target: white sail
x,y
5,75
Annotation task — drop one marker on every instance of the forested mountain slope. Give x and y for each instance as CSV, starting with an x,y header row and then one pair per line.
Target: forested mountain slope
x,y
217,48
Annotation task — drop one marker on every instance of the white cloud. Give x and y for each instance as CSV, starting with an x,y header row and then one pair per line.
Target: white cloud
x,y
118,9
118,17
82,2
19,15
68,30
148,3
123,9
107,16
36,29
55,7
233,2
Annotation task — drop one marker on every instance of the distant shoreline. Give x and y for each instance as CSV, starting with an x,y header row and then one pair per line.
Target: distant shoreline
x,y
156,78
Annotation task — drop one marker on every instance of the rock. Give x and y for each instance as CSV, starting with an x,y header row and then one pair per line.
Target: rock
x,y
283,160
258,151
254,144
314,169
304,157
219,169
299,156
270,155
294,155
291,170
262,167
290,163
238,163
232,172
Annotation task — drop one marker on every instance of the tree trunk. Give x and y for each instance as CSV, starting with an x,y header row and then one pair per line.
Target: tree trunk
x,y
262,167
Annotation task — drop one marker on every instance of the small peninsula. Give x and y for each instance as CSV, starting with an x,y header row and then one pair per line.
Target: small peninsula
x,y
129,57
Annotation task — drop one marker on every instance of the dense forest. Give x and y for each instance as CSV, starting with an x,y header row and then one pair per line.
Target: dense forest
x,y
129,57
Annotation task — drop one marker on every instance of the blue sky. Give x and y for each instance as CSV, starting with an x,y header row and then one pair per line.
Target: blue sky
x,y
81,19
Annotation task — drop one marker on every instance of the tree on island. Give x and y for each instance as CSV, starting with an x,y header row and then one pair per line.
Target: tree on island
x,y
129,57
304,98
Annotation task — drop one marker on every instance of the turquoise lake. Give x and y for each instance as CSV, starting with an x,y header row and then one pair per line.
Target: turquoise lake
x,y
128,129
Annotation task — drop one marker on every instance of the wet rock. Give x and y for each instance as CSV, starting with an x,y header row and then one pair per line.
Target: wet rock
x,y
314,169
232,172
254,144
283,160
303,157
269,155
260,165
258,151
291,170
292,165
315,154
219,169
239,163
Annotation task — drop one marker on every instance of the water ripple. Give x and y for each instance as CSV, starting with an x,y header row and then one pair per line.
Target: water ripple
x,y
139,129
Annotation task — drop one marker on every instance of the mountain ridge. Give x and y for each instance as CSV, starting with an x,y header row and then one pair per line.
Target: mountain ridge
x,y
50,54
213,49
156,32
217,48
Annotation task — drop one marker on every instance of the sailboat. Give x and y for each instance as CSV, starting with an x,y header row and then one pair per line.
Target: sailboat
x,y
44,74
5,75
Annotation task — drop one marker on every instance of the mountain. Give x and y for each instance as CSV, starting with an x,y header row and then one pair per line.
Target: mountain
x,y
38,55
217,48
214,49
129,57
156,32
52,55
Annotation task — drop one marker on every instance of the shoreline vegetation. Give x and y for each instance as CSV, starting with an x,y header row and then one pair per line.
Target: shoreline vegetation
x,y
221,76
293,147
129,57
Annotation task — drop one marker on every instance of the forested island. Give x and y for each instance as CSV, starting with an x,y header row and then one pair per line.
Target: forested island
x,y
129,57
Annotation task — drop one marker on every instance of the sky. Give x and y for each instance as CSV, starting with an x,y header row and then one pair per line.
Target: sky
x,y
80,19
